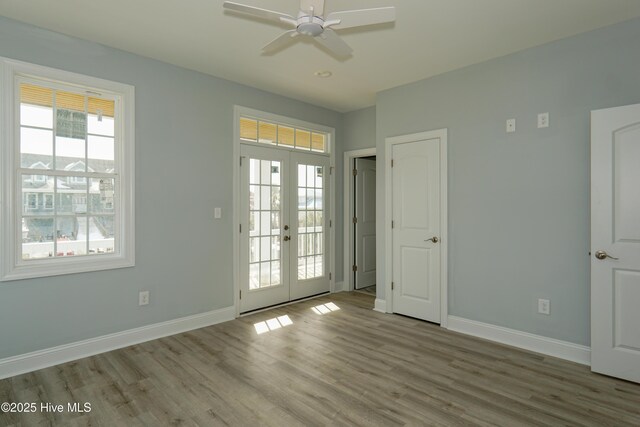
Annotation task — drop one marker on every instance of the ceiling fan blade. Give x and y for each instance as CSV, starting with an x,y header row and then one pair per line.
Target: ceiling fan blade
x,y
317,5
283,40
332,41
256,11
362,17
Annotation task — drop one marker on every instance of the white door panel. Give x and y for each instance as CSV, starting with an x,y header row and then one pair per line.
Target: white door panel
x,y
416,222
626,201
365,227
414,272
626,291
615,231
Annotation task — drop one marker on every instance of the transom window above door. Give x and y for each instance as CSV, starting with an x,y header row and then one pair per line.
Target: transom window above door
x,y
266,132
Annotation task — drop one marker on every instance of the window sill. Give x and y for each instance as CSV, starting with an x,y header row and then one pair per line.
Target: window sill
x,y
58,267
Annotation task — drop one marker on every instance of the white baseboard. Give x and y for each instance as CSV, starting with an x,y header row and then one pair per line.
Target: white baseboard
x,y
40,359
380,305
339,287
537,343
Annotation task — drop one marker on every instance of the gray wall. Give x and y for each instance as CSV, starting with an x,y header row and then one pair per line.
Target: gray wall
x,y
519,203
184,132
359,131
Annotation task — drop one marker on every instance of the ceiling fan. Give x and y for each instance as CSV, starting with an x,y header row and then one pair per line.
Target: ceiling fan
x,y
312,22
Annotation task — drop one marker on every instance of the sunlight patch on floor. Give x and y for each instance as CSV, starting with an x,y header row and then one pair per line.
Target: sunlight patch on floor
x,y
325,308
272,324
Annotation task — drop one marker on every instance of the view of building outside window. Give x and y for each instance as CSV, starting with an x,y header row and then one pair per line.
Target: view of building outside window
x,y
68,173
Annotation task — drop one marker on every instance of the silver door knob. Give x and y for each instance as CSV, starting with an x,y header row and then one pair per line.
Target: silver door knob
x,y
434,239
603,255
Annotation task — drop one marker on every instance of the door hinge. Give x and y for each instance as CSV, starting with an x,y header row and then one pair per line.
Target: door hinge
x,y
392,285
331,170
355,268
241,228
330,223
355,172
393,224
355,220
329,276
391,162
240,293
240,160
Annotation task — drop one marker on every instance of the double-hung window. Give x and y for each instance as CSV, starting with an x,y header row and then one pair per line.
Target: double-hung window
x,y
67,169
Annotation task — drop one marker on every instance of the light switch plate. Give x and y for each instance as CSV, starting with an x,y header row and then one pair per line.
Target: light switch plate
x,y
511,125
217,213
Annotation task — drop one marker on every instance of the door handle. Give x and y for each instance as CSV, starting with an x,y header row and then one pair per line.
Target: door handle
x,y
604,255
434,239
287,238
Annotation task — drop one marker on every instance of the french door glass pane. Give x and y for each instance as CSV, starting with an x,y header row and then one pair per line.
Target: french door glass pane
x,y
265,215
310,222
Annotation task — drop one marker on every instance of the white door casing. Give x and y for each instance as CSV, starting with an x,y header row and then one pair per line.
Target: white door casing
x,y
416,212
348,213
365,224
615,233
283,249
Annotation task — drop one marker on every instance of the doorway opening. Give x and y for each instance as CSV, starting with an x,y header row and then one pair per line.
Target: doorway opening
x,y
360,221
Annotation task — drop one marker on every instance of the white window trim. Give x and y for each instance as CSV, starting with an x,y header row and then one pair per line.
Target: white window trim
x,y
27,203
44,201
12,267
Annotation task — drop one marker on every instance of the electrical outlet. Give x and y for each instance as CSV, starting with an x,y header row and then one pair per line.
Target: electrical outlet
x,y
543,120
511,125
143,298
544,306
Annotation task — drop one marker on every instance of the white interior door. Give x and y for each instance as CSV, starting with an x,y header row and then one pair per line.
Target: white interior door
x,y
615,242
283,241
415,187
365,223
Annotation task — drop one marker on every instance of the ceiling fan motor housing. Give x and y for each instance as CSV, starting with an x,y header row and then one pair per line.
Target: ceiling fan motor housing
x,y
310,25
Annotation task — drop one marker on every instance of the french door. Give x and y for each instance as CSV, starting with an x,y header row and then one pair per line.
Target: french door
x,y
284,233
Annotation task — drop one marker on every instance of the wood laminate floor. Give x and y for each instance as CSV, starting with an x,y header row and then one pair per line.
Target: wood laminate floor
x,y
349,366
371,290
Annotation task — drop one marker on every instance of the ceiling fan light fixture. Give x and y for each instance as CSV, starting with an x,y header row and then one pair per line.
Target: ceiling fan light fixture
x,y
312,29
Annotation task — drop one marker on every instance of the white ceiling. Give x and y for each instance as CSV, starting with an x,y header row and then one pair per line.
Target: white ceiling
x,y
429,37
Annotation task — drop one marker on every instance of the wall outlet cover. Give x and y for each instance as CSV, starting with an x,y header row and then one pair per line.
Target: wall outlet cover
x,y
511,125
543,120
544,306
143,298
